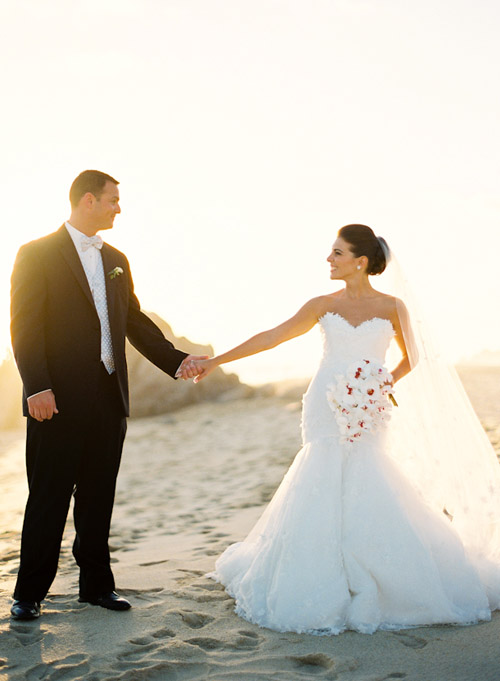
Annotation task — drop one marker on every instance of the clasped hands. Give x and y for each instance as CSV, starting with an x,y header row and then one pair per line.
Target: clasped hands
x,y
196,367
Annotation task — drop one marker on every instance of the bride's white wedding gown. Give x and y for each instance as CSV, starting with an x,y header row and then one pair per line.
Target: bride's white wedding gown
x,y
347,542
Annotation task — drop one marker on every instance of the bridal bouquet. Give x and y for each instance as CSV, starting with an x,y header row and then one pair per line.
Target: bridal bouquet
x,y
361,399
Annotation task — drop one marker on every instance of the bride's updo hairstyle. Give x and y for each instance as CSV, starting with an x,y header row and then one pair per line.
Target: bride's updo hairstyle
x,y
363,241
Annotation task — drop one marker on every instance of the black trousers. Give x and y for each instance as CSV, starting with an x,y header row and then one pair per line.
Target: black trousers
x,y
66,457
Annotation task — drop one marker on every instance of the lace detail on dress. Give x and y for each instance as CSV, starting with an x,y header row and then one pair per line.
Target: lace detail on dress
x,y
343,342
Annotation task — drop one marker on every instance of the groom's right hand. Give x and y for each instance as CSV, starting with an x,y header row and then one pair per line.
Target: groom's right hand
x,y
42,406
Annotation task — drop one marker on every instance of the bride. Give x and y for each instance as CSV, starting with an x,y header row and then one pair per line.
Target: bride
x,y
395,526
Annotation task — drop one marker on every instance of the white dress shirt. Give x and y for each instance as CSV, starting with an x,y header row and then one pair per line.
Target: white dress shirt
x,y
91,260
88,258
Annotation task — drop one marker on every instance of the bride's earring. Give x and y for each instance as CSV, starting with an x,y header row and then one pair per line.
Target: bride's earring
x,y
358,267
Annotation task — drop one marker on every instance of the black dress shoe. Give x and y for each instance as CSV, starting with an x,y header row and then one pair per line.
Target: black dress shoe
x,y
25,610
111,601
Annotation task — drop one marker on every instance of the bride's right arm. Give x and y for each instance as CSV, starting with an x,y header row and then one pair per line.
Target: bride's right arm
x,y
297,325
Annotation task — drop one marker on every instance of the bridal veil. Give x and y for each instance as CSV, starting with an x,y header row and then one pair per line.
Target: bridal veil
x,y
440,444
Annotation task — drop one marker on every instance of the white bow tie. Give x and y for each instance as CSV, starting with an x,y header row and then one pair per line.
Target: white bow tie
x,y
89,241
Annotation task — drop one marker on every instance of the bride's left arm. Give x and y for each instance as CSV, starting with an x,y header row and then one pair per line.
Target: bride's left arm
x,y
297,325
404,338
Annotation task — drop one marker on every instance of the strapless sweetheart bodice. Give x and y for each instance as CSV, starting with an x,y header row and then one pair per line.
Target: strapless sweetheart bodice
x,y
343,344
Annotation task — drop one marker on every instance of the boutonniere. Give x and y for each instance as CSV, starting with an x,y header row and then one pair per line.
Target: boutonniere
x,y
115,272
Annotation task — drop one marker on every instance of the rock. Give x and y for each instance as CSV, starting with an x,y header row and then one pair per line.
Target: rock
x,y
152,392
11,391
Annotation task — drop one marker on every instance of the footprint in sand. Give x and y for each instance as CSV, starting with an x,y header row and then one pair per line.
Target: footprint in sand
x,y
206,643
140,641
201,596
247,640
195,620
322,665
142,648
209,585
195,573
66,603
250,634
70,667
312,660
163,633
148,595
26,635
154,562
138,534
410,641
135,654
201,591
9,555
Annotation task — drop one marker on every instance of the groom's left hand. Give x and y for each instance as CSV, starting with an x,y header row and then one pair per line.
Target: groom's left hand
x,y
188,368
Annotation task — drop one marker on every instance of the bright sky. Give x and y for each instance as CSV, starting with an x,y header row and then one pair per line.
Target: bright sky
x,y
244,134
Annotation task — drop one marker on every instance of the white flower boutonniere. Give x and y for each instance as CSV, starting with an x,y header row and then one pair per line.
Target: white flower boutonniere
x,y
115,272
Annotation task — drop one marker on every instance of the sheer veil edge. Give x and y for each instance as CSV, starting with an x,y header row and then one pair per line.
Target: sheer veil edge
x,y
439,442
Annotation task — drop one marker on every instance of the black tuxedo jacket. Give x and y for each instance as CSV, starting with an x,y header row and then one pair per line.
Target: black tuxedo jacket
x,y
56,333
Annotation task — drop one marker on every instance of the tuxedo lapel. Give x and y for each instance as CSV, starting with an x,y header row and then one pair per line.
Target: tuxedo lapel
x,y
71,256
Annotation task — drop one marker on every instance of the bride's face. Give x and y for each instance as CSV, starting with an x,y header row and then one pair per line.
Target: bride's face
x,y
342,262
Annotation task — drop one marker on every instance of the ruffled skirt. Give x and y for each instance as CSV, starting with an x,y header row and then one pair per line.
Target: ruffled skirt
x,y
347,543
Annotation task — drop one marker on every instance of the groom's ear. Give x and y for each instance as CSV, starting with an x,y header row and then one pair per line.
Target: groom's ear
x,y
88,200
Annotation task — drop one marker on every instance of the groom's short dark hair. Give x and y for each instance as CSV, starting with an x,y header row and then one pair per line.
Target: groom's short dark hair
x,y
92,181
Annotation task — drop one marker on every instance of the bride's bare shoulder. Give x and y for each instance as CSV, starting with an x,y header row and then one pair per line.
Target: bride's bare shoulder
x,y
317,307
325,303
390,303
392,308
394,304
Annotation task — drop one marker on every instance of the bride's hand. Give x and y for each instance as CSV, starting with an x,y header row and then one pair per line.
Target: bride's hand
x,y
204,367
390,396
187,369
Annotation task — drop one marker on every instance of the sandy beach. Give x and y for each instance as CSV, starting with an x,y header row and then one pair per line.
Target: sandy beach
x,y
193,481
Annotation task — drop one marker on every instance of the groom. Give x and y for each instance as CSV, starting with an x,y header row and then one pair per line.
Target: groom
x,y
73,305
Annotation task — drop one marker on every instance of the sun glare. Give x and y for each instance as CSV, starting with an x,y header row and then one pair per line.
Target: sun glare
x,y
239,163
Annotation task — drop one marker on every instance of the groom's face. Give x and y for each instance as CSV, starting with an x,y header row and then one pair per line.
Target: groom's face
x,y
106,207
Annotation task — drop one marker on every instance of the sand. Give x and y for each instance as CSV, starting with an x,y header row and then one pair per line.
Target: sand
x,y
191,483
